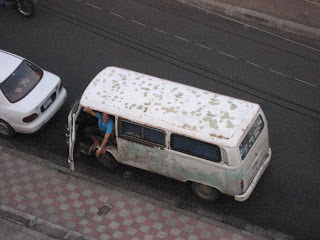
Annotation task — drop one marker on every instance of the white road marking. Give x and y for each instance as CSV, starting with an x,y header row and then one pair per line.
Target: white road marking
x,y
274,71
312,2
254,64
158,30
206,47
299,80
226,54
142,24
181,38
117,15
203,46
91,5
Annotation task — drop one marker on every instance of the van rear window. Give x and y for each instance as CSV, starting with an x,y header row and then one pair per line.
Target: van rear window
x,y
251,137
195,147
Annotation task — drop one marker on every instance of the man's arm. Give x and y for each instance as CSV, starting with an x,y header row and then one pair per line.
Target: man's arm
x,y
89,110
103,144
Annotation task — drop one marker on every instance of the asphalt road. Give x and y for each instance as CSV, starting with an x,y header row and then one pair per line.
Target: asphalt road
x,y
77,39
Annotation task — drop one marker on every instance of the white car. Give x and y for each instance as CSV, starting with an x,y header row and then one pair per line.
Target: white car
x,y
29,96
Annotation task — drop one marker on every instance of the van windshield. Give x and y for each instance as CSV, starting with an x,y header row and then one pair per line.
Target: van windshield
x,y
21,81
251,137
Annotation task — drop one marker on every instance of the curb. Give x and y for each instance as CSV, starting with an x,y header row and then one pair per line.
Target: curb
x,y
40,225
260,18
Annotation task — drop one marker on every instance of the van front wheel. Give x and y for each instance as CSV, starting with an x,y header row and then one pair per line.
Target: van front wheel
x,y
108,161
205,192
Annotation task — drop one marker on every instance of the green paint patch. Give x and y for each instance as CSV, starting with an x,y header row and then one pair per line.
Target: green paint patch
x,y
209,114
174,89
188,126
225,115
230,124
212,122
167,110
233,107
200,109
214,101
179,95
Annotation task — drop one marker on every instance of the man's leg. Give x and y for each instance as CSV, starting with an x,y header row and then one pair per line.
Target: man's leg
x,y
92,132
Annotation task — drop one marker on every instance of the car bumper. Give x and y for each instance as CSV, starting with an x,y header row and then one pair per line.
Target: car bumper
x,y
45,117
247,193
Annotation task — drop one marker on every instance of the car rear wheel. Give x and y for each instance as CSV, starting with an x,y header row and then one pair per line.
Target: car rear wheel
x,y
205,192
5,129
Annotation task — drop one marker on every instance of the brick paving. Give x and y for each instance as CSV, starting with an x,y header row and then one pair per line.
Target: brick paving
x,y
94,210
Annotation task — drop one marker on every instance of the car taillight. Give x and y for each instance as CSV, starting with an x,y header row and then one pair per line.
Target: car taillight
x,y
61,86
30,118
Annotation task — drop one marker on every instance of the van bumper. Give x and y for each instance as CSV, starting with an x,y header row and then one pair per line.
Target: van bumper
x,y
246,194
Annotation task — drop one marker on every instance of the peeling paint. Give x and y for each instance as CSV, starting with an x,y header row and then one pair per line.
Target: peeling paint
x,y
179,95
196,173
169,104
172,109
225,115
230,124
148,158
213,122
232,179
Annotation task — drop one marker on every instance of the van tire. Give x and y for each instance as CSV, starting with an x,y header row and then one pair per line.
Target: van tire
x,y
107,161
205,192
6,130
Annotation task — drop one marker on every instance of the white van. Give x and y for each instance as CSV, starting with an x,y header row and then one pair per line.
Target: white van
x,y
217,143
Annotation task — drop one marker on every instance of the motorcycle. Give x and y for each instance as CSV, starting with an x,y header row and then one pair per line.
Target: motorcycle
x,y
24,7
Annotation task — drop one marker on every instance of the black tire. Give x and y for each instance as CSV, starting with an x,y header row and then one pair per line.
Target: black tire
x,y
5,129
107,161
25,8
205,192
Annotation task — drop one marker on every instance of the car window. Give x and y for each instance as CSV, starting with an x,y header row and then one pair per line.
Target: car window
x,y
195,147
21,81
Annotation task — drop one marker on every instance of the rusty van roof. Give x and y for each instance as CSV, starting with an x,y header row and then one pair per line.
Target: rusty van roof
x,y
164,104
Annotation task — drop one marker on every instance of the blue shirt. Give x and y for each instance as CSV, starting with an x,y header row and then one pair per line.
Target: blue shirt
x,y
105,126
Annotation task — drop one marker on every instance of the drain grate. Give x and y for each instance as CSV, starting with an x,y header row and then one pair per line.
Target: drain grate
x,y
104,210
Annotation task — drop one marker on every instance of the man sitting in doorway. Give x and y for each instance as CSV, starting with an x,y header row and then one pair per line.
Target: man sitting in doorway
x,y
103,129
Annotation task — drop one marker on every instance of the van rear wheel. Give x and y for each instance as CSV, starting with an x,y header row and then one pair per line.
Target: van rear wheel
x,y
108,161
205,192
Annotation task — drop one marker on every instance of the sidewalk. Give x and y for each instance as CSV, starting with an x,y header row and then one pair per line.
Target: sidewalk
x,y
46,198
300,17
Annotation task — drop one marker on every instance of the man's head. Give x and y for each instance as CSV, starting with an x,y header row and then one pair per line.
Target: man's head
x,y
105,117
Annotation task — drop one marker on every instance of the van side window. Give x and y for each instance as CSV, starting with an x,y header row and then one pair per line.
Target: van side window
x,y
194,147
251,137
137,131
